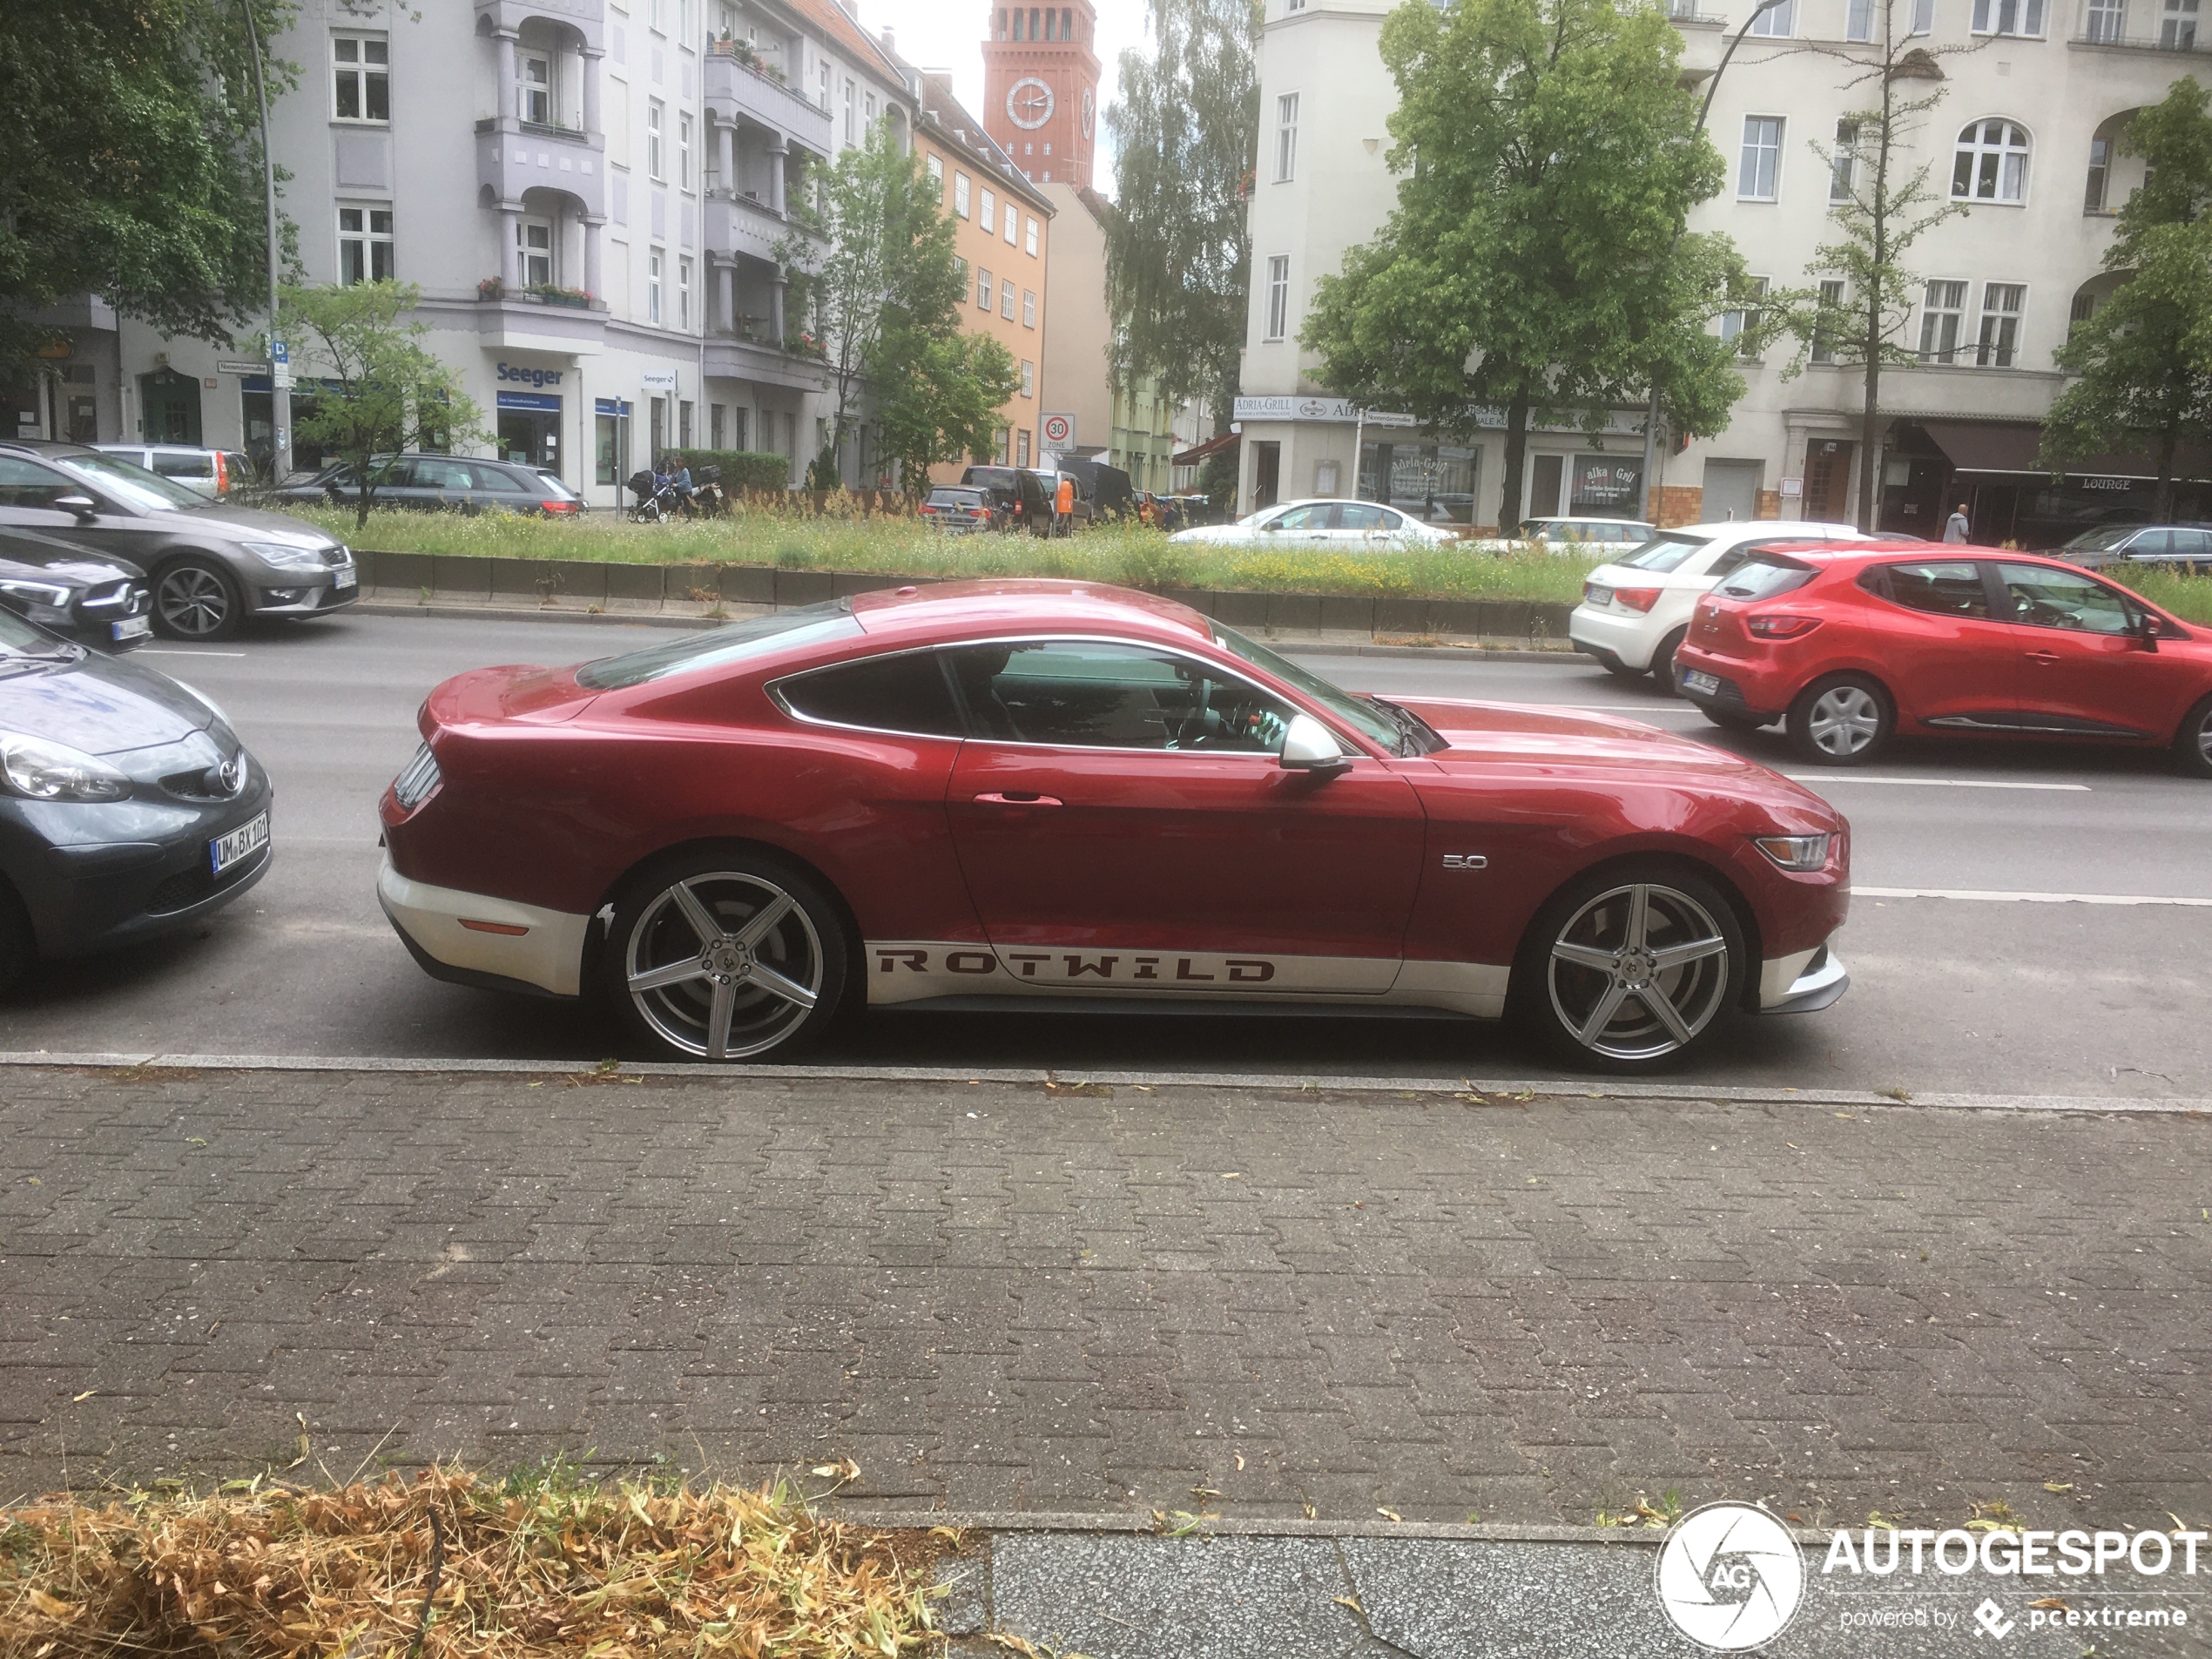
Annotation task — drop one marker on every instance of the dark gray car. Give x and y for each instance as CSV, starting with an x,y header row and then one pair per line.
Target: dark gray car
x,y
2115,546
212,564
441,484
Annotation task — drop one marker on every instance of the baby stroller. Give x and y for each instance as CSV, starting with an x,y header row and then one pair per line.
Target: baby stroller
x,y
656,501
707,493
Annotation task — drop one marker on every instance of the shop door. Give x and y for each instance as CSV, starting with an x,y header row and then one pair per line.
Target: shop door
x,y
1267,470
170,402
1544,475
1827,499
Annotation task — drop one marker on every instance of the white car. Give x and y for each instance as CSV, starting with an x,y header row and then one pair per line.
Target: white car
x,y
211,473
1323,522
1636,610
1586,536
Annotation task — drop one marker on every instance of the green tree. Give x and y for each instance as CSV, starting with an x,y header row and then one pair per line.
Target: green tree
x,y
2143,359
1178,253
1548,152
938,397
380,390
132,168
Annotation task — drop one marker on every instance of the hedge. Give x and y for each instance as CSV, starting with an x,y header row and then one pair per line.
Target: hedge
x,y
741,468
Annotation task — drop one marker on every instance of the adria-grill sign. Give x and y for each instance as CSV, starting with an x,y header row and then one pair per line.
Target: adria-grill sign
x,y
1731,1577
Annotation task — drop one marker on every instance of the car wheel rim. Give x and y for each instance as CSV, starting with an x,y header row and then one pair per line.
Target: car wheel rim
x,y
1844,720
2204,739
724,965
194,601
1638,971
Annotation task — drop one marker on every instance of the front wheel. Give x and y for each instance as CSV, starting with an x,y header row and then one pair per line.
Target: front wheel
x,y
2192,745
724,956
1631,969
1841,721
193,598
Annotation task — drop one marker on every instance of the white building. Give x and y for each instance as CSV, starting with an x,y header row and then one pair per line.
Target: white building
x,y
589,195
2025,128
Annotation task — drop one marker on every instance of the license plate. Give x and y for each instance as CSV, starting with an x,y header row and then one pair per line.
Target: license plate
x,y
131,628
1600,596
226,850
344,579
1697,679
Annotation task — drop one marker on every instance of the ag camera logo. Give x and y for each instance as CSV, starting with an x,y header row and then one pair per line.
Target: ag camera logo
x,y
1729,1576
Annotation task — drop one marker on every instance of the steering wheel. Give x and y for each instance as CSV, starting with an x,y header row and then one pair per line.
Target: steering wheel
x,y
1199,721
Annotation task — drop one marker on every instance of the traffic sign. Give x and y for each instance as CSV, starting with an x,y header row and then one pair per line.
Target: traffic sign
x,y
1059,430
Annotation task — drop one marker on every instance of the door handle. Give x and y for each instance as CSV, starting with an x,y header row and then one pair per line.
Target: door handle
x,y
1016,798
2046,657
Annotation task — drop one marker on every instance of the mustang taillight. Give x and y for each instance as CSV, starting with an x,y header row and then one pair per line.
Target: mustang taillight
x,y
1638,598
1781,627
420,776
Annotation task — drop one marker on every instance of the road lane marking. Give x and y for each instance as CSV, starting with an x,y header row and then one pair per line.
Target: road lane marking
x,y
1926,783
1988,897
159,650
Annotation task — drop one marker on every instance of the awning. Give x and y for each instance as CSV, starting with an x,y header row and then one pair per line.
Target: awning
x,y
2011,448
1202,453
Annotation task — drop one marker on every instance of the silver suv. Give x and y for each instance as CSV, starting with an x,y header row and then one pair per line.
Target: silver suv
x,y
211,473
212,564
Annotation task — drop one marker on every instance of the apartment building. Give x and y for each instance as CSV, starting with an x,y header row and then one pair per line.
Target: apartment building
x,y
593,198
2024,137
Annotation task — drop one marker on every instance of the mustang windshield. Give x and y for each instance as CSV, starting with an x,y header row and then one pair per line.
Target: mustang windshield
x,y
754,636
1354,710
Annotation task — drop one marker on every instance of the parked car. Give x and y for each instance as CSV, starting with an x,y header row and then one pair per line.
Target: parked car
x,y
212,564
959,510
1021,496
1574,535
1851,646
1044,790
1103,490
442,483
97,601
2117,546
128,806
205,472
1636,610
1322,523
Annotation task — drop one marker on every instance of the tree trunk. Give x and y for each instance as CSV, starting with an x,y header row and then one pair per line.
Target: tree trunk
x,y
360,502
2162,510
1516,452
1869,439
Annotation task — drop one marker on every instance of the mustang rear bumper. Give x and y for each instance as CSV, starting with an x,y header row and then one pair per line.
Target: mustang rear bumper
x,y
473,938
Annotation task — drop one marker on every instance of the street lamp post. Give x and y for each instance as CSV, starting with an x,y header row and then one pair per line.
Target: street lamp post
x,y
1704,109
280,371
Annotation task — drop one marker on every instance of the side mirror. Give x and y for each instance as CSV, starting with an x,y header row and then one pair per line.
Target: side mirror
x,y
1307,746
2146,631
83,506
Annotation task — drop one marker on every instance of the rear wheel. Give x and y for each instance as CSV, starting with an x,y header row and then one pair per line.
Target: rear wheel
x,y
1631,968
2192,746
1727,719
725,956
1841,721
1663,661
1620,670
194,598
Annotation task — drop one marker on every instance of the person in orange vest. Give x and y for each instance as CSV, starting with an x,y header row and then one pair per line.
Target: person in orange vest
x,y
1063,508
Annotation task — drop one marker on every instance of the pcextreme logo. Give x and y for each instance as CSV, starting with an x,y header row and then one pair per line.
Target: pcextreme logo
x,y
1729,1576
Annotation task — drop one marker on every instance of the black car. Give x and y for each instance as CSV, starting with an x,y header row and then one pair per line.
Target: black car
x,y
1019,494
436,483
100,603
959,510
128,808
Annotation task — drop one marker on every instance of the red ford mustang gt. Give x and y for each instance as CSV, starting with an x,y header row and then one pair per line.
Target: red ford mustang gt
x,y
1848,645
1054,793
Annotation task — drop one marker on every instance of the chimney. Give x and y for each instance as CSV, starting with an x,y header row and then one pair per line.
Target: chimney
x,y
890,45
938,81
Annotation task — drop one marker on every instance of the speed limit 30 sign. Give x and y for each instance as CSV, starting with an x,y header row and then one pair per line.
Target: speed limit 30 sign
x,y
1059,430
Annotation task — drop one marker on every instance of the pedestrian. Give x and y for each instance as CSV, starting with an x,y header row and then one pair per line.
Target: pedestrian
x,y
1063,506
1955,527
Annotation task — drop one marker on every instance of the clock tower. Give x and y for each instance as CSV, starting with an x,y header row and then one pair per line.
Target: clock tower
x,y
1041,89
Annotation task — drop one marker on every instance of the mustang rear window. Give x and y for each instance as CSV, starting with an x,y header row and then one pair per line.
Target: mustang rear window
x,y
1766,575
906,692
754,636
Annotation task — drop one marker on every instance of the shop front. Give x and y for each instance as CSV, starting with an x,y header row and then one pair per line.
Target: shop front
x,y
1991,467
528,412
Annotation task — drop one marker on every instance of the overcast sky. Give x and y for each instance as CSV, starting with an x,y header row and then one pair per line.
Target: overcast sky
x,y
949,34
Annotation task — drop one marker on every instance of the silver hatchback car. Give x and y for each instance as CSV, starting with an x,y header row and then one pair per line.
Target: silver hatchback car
x,y
212,565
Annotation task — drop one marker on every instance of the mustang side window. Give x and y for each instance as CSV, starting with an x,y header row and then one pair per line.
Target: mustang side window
x,y
1099,694
2048,598
905,692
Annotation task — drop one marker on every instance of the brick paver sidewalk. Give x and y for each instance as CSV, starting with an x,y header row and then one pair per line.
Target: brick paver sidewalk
x,y
994,1297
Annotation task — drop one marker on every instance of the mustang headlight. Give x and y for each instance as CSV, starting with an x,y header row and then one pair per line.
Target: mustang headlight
x,y
47,770
1800,852
285,554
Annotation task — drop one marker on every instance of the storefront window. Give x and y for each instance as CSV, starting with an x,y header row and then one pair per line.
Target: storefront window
x,y
610,463
1606,487
1435,482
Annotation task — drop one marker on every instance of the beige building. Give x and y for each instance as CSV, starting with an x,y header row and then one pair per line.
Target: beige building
x,y
2024,138
1076,365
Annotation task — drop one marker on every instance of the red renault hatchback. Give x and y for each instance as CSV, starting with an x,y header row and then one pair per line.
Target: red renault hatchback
x,y
989,794
1849,646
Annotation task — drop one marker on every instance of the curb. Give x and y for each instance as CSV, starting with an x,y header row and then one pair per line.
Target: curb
x,y
1233,1527
1496,1091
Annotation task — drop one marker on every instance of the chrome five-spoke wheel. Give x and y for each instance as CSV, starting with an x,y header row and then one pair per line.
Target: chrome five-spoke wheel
x,y
722,964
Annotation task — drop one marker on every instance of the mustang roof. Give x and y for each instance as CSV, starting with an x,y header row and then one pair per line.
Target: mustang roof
x,y
1019,602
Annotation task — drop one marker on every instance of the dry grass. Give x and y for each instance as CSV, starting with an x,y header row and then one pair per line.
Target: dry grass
x,y
536,1564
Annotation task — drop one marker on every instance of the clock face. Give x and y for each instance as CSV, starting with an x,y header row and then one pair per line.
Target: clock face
x,y
1028,102
1090,111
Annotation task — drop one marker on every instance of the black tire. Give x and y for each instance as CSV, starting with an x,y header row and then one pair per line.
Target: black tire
x,y
654,930
2193,743
18,945
1556,996
1843,720
1620,670
1727,719
194,597
1663,661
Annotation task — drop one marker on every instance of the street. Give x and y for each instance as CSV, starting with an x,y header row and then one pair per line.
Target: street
x,y
1976,995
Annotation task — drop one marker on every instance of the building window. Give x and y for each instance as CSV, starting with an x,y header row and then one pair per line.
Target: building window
x,y
1942,309
821,96
683,424
867,109
2001,302
1831,318
1783,20
1991,164
2104,21
1760,174
988,216
936,165
2010,17
1858,19
2177,30
682,294
715,414
2084,307
1028,378
361,77
534,96
1012,226
610,445
1004,440
1279,296
1022,448
1843,162
653,263
1028,309
1006,298
684,149
656,18
1032,239
656,114
960,194
364,245
533,252
1285,138
982,289
851,132
1923,18
1742,325
2092,198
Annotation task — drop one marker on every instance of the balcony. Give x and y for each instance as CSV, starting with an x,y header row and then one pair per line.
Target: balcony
x,y
738,92
741,225
514,157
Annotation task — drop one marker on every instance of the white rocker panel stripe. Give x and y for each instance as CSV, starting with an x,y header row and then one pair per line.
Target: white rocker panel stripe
x,y
547,951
